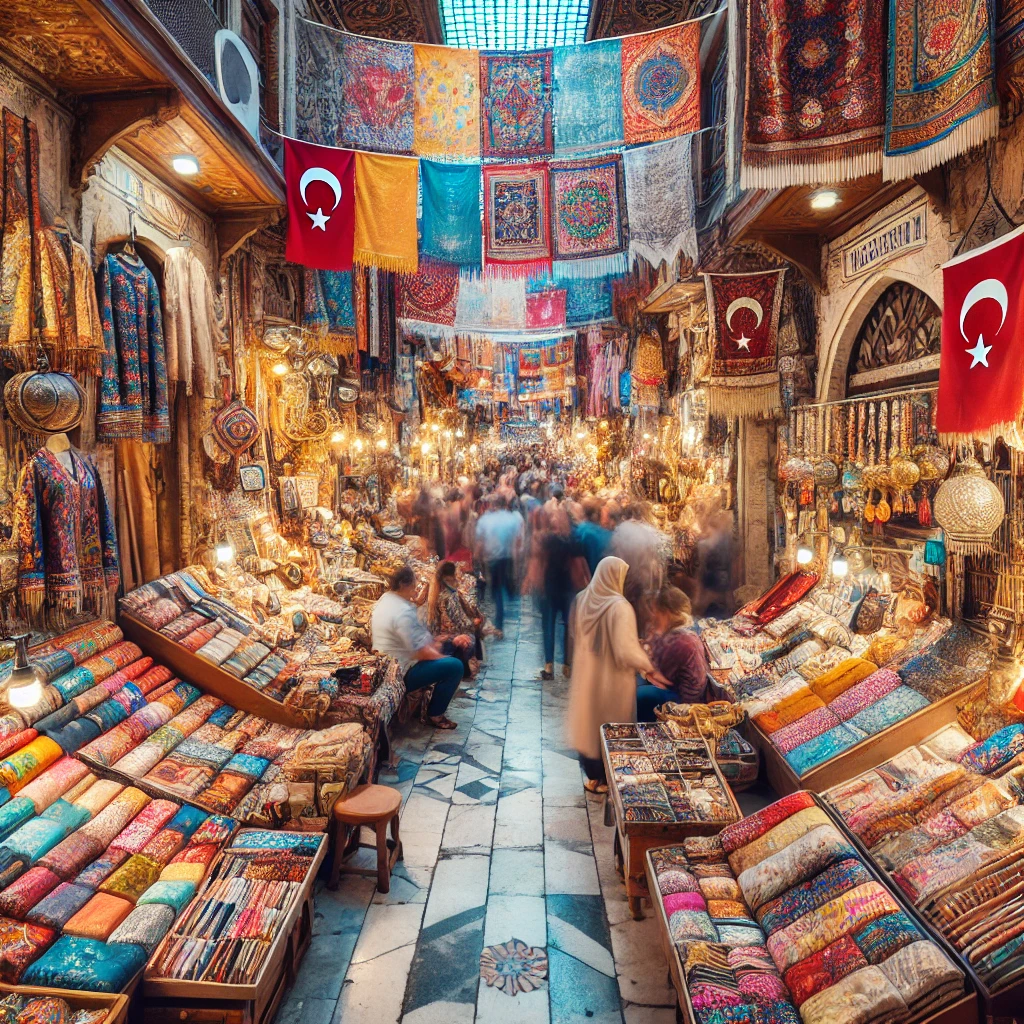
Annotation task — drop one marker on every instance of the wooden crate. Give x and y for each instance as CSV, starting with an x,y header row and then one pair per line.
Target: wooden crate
x,y
867,754
115,1005
634,838
208,1002
963,1011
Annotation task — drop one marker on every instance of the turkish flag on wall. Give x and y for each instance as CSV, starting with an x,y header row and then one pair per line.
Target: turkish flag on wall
x,y
981,371
321,186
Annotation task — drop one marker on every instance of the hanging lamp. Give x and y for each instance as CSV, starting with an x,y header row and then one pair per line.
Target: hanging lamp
x,y
969,508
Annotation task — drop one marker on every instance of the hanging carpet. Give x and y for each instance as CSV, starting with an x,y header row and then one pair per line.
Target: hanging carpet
x,y
319,84
378,85
516,210
516,103
430,295
661,83
451,229
1009,54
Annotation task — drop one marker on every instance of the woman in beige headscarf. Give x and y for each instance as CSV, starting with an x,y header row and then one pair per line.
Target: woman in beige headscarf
x,y
607,657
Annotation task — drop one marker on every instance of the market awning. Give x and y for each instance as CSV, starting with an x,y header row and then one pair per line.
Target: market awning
x,y
131,84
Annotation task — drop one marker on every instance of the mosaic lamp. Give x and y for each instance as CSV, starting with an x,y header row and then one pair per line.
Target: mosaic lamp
x,y
969,508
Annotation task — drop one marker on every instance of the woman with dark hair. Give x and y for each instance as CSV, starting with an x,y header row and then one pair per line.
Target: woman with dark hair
x,y
453,620
678,654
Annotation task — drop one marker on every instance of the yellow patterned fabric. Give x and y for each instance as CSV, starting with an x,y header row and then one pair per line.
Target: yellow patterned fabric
x,y
777,838
789,710
838,680
864,996
447,102
386,191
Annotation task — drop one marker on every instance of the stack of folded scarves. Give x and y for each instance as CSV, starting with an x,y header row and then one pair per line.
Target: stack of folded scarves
x,y
954,844
843,946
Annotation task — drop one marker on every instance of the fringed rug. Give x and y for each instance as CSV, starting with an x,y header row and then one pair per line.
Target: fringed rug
x,y
589,232
378,91
1009,51
516,103
661,83
451,228
588,96
518,225
430,295
319,78
815,92
942,96
743,311
447,109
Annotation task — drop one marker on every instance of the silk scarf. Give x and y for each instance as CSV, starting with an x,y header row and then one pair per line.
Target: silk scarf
x,y
451,228
386,194
588,96
447,102
377,79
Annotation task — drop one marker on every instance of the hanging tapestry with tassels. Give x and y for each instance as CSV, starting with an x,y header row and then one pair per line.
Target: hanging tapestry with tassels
x,y
516,103
337,291
1010,57
386,193
451,230
743,313
588,96
430,295
661,83
815,104
447,86
941,84
588,229
378,94
319,84
516,211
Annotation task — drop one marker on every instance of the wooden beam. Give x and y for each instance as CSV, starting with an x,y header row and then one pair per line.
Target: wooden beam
x,y
803,251
104,118
235,226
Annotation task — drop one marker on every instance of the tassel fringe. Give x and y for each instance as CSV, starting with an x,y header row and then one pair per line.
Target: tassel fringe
x,y
744,402
529,268
768,171
394,264
655,255
1010,432
974,132
591,267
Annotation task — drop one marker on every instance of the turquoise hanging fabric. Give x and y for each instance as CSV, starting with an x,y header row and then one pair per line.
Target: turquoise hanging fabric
x,y
451,230
588,96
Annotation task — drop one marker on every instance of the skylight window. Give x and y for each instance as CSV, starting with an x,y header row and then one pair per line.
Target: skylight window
x,y
514,24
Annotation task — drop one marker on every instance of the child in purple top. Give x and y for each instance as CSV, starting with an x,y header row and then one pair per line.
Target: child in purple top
x,y
677,652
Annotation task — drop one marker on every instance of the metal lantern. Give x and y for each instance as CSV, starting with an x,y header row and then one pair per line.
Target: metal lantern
x,y
969,508
43,401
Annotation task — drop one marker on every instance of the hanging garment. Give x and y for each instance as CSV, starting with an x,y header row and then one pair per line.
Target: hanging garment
x,y
192,332
133,393
66,540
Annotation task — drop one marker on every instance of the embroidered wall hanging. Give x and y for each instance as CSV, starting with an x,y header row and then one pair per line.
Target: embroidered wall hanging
x,y
430,295
588,96
377,83
661,83
516,103
516,210
447,102
450,225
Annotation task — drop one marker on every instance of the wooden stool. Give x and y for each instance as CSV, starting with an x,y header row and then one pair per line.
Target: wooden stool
x,y
375,806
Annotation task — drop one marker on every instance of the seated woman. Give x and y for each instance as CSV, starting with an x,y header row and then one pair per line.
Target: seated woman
x,y
677,652
456,623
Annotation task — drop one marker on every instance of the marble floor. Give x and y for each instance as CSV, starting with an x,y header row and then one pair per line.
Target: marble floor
x,y
501,842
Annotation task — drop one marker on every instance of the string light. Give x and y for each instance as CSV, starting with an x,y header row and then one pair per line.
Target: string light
x,y
280,369
358,444
804,555
425,448
840,566
337,437
382,444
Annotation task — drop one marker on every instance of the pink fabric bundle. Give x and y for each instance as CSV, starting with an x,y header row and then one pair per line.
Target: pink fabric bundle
x,y
748,829
813,724
865,693
684,901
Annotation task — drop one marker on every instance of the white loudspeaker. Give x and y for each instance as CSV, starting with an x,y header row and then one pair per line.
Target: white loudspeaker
x,y
238,79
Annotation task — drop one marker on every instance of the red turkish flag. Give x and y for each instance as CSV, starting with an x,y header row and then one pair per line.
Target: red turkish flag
x,y
321,185
981,371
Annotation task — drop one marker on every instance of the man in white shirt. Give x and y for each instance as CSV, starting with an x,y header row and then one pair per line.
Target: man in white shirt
x,y
499,535
397,630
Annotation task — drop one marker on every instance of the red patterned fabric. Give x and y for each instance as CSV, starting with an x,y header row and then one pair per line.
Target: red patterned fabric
x,y
755,826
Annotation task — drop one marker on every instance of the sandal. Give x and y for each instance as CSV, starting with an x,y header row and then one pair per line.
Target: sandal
x,y
593,786
443,722
546,673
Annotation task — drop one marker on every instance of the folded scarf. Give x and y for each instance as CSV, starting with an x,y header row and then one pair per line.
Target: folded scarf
x,y
720,889
20,944
99,917
145,926
684,901
107,825
177,629
813,724
683,925
919,969
823,969
26,845
861,696
822,663
69,816
59,906
175,895
865,996
98,795
888,711
740,935
753,827
821,749
78,963
132,878
815,892
789,710
838,680
17,770
25,892
181,871
777,838
814,931
71,855
988,756
14,814
808,856
886,935
101,869
145,825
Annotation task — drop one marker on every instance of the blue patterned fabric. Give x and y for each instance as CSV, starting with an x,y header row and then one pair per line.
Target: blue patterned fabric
x,y
247,764
341,315
587,300
14,814
68,816
588,96
34,838
187,820
222,716
451,230
86,964
821,749
261,839
72,683
892,708
174,894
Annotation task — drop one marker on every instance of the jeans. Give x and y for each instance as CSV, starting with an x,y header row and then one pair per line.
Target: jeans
x,y
500,572
444,674
648,697
550,608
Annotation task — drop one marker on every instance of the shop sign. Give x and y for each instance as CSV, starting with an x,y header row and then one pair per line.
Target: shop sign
x,y
898,235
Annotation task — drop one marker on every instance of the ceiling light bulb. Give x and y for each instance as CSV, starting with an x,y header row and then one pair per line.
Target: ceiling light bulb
x,y
824,200
185,164
434,427
382,444
840,566
804,555
358,444
224,551
27,696
460,432
280,369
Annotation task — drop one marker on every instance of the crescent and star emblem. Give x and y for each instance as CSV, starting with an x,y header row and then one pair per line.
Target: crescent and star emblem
x,y
755,307
310,175
990,288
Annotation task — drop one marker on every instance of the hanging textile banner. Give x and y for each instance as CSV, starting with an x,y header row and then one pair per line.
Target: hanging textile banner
x,y
491,303
815,105
588,300
319,84
1010,57
320,183
516,103
661,83
451,228
588,224
337,291
386,191
588,96
447,111
659,200
430,295
516,211
545,309
942,98
378,89
743,310
981,373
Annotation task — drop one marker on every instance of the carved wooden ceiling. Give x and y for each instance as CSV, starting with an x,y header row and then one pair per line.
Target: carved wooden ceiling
x,y
412,21
131,85
620,17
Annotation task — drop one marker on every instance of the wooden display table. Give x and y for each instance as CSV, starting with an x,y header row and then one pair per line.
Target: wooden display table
x,y
115,1005
865,755
680,764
